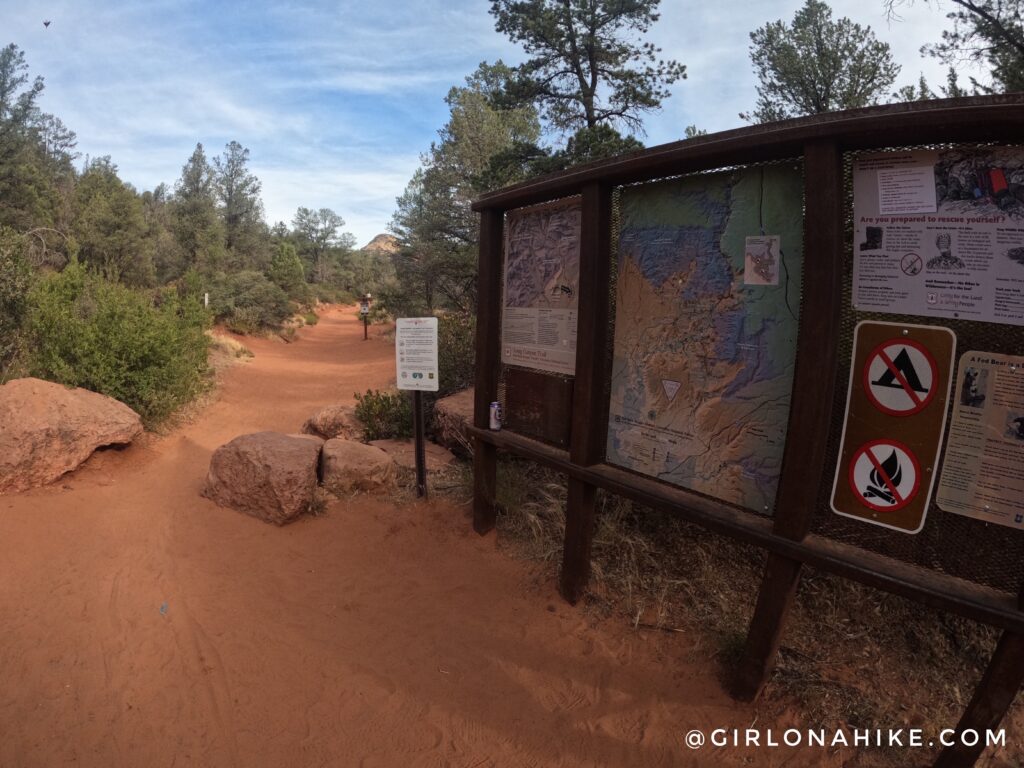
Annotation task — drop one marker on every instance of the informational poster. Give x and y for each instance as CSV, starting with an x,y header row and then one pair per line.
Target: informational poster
x,y
541,297
416,353
706,316
940,233
983,472
895,417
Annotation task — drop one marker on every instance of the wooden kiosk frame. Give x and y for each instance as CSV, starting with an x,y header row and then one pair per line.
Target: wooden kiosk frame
x,y
788,537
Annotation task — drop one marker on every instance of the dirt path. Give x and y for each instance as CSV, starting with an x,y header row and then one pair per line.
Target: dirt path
x,y
144,626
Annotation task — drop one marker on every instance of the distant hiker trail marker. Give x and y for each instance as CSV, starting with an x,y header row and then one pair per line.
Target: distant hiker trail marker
x,y
416,370
895,418
364,311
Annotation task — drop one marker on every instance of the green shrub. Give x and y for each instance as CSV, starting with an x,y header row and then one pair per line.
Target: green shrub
x,y
456,351
311,318
247,302
384,414
287,273
15,278
245,320
330,294
87,332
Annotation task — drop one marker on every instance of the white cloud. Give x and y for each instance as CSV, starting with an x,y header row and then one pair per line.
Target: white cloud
x,y
336,98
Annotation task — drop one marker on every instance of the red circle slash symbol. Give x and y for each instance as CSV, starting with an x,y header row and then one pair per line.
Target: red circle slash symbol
x,y
885,475
900,377
911,264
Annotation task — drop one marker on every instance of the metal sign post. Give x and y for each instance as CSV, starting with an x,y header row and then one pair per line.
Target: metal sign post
x,y
364,310
416,365
420,448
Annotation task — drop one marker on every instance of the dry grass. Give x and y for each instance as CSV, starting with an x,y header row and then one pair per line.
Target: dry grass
x,y
454,481
321,499
851,656
226,351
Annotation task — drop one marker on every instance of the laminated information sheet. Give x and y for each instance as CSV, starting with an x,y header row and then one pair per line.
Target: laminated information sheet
x,y
983,472
940,234
542,275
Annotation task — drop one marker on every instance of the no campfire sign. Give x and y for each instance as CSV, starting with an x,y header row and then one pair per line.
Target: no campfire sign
x,y
895,419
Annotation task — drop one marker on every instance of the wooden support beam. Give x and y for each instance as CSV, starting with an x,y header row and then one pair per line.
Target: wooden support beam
x,y
937,590
590,404
978,119
993,696
579,536
778,588
488,365
813,389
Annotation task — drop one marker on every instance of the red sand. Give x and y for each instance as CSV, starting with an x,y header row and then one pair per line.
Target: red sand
x,y
144,626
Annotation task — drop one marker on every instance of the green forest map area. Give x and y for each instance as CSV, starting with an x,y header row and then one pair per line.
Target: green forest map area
x,y
703,364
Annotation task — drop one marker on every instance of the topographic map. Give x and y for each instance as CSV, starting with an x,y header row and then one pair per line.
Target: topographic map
x,y
542,275
703,361
542,264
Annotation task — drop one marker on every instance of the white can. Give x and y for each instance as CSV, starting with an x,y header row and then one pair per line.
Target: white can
x,y
495,416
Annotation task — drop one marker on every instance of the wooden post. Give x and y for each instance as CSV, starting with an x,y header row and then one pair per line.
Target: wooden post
x,y
778,588
811,404
366,327
993,696
419,447
488,365
590,404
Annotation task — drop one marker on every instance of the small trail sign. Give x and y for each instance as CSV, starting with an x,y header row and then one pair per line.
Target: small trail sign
x,y
416,353
895,419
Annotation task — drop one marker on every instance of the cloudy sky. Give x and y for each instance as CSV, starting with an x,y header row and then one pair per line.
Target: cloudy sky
x,y
336,100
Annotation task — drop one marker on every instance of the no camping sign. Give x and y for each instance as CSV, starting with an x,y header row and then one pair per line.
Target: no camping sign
x,y
895,419
900,377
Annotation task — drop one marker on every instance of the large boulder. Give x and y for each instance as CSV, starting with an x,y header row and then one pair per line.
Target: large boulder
x,y
334,421
348,466
266,475
47,429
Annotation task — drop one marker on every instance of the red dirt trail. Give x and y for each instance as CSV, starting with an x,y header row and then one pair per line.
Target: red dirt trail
x,y
143,626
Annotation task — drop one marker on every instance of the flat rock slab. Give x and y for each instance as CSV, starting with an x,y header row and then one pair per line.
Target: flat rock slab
x,y
266,474
348,466
47,429
403,452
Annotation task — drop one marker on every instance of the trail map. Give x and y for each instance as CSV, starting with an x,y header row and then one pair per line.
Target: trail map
x,y
703,358
542,272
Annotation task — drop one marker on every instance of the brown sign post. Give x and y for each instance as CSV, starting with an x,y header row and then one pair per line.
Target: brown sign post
x,y
895,418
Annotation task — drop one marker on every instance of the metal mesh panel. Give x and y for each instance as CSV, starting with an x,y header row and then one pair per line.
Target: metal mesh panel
x,y
960,546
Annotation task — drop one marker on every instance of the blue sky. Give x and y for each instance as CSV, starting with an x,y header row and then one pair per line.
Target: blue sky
x,y
337,100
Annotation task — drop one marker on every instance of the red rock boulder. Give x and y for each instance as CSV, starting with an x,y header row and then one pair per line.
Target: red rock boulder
x,y
267,475
47,429
349,466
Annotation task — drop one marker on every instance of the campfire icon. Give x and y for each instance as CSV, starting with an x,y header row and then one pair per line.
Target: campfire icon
x,y
879,488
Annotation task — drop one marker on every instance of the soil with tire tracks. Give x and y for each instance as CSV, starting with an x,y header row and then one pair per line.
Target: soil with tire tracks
x,y
144,626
